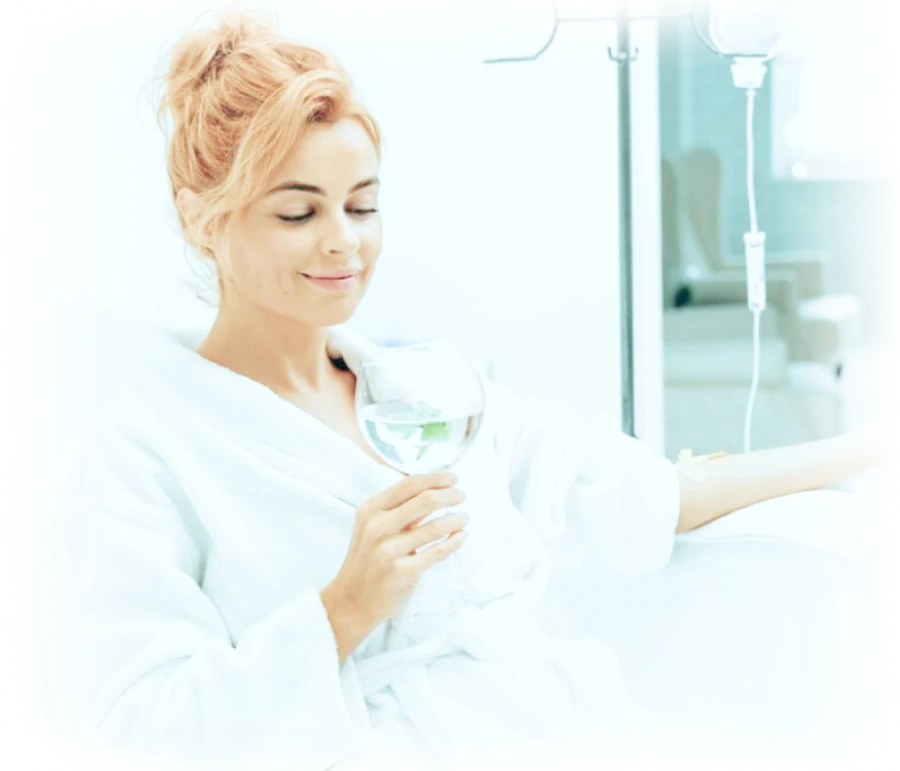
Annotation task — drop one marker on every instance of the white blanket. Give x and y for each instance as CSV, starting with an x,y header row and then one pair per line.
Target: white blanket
x,y
203,514
840,524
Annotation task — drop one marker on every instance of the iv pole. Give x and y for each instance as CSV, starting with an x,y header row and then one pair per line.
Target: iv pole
x,y
623,57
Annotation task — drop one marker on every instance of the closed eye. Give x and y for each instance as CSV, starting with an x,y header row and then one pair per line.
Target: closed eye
x,y
304,217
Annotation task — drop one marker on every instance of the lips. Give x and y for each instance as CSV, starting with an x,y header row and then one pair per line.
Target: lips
x,y
336,282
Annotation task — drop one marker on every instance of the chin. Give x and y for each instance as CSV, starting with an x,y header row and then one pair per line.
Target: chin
x,y
337,312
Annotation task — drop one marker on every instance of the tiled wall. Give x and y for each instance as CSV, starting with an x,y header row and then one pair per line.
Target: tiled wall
x,y
699,106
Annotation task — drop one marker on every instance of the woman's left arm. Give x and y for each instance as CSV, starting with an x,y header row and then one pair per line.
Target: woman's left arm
x,y
713,488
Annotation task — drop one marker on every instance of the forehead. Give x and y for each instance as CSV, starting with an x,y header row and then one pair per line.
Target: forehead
x,y
340,152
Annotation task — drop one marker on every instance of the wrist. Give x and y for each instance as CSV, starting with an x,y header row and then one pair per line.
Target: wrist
x,y
343,605
349,625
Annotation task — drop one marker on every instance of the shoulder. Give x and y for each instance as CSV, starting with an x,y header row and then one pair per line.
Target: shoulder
x,y
130,421
116,478
119,460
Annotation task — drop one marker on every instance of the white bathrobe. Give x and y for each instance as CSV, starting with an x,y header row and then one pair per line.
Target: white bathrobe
x,y
204,513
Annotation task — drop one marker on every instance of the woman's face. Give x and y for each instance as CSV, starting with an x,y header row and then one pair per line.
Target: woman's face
x,y
316,220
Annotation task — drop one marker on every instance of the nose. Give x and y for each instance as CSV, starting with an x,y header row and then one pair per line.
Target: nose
x,y
340,237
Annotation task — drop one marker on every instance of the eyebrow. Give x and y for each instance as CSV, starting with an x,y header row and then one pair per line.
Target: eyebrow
x,y
318,190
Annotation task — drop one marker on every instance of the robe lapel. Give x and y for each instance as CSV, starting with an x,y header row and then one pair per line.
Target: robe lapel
x,y
283,433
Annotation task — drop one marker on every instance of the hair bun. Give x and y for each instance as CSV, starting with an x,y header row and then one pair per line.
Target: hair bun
x,y
237,25
234,30
199,56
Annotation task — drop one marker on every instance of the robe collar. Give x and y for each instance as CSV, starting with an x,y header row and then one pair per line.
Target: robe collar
x,y
285,434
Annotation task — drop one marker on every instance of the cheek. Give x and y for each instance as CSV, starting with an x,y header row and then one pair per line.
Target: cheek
x,y
289,254
250,277
270,269
371,240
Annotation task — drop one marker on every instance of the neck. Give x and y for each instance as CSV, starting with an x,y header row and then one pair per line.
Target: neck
x,y
287,356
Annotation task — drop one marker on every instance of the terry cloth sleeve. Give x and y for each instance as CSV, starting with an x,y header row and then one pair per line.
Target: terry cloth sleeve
x,y
565,471
143,660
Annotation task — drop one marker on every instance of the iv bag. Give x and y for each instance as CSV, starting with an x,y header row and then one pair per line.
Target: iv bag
x,y
743,27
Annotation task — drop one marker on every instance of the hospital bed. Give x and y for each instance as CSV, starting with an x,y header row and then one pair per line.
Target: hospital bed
x,y
770,636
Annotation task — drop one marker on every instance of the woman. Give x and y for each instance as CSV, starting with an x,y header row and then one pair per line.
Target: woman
x,y
238,549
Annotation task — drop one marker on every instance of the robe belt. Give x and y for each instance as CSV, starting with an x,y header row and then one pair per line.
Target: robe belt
x,y
405,670
472,631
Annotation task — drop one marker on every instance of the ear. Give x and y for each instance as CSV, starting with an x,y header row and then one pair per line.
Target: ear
x,y
188,203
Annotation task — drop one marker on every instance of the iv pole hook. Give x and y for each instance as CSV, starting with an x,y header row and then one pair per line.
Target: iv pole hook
x,y
622,57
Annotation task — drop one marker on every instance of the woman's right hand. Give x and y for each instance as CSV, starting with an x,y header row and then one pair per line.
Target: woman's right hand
x,y
382,568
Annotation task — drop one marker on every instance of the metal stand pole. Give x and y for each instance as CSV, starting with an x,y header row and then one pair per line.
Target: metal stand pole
x,y
623,57
626,250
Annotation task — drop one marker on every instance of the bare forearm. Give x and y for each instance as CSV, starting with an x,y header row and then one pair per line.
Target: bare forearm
x,y
715,488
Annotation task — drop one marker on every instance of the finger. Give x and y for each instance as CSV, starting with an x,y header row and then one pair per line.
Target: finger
x,y
409,488
411,513
425,559
409,541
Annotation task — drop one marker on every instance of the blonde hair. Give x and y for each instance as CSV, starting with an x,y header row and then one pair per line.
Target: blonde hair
x,y
239,96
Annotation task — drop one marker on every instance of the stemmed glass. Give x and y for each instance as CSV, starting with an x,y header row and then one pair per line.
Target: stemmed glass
x,y
420,407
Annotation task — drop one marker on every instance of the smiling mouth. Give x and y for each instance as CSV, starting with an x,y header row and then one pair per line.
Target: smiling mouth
x,y
339,282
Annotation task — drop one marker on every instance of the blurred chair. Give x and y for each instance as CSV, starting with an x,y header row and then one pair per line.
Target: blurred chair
x,y
817,326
